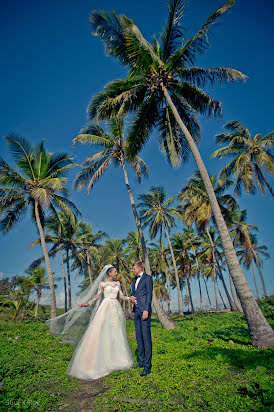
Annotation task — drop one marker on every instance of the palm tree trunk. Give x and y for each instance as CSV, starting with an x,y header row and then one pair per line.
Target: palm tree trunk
x,y
232,306
234,295
262,335
65,280
215,286
180,301
221,296
209,300
168,292
190,294
199,283
165,320
39,292
89,269
69,281
47,261
255,281
261,275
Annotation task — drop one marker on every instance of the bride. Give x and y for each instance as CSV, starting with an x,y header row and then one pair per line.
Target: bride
x,y
103,346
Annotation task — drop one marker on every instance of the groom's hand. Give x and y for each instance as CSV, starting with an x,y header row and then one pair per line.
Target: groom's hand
x,y
145,314
132,299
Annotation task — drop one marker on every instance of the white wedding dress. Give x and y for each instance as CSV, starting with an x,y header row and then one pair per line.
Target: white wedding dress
x,y
104,346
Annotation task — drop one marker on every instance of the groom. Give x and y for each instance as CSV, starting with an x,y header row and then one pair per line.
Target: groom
x,y
141,290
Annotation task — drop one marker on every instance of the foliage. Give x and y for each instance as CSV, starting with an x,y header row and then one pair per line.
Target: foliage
x,y
194,364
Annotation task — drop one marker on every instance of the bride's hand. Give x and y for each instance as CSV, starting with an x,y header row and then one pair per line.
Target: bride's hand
x,y
83,304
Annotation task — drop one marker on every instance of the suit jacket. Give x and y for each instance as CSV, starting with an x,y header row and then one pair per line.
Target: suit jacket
x,y
143,293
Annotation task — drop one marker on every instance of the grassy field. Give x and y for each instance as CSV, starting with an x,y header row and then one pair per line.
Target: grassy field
x,y
207,364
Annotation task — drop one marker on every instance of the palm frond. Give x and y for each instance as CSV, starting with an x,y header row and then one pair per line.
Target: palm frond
x,y
173,33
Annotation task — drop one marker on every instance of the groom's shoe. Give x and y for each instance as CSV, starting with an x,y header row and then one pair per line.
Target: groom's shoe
x,y
145,372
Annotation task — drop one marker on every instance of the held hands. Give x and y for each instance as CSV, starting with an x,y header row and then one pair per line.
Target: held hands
x,y
132,299
83,304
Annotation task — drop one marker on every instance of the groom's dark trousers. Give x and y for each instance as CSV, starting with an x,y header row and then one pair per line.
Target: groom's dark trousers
x,y
143,293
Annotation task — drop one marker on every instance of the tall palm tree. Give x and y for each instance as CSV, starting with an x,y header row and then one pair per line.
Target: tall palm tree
x,y
163,88
114,153
253,255
250,156
193,242
181,249
157,212
241,234
160,262
39,184
63,237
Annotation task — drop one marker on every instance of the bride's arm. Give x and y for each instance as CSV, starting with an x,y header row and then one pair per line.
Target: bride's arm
x,y
100,290
121,295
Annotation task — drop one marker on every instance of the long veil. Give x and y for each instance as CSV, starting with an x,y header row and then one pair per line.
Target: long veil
x,y
72,324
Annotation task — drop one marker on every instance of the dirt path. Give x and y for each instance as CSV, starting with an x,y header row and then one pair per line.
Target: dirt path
x,y
83,399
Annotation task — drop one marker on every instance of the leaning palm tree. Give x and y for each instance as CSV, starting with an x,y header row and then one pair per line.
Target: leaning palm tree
x,y
39,184
114,153
250,156
163,88
158,212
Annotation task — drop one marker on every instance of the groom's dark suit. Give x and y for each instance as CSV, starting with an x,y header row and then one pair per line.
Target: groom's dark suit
x,y
143,293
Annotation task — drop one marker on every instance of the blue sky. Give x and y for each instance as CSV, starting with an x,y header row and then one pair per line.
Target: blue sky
x,y
51,67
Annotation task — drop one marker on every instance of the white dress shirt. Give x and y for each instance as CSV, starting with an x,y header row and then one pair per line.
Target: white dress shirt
x,y
138,280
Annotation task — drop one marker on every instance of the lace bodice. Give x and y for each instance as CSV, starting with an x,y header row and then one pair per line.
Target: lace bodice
x,y
111,290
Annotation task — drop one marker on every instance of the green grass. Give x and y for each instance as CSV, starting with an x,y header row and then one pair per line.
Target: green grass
x,y
194,364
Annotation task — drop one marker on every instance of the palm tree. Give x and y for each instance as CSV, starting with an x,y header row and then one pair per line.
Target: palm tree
x,y
114,145
157,212
160,290
240,230
241,234
250,156
193,242
196,208
181,249
253,255
38,281
163,88
39,184
88,244
63,237
134,246
160,264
